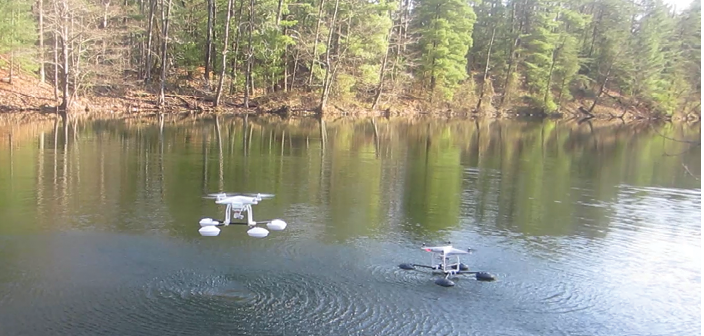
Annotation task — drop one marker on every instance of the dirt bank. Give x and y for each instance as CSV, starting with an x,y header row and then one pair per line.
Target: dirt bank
x,y
24,99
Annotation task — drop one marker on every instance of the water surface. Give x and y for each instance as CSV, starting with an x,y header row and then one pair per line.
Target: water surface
x,y
591,229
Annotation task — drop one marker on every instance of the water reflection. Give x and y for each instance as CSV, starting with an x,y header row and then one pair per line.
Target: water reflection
x,y
591,229
425,176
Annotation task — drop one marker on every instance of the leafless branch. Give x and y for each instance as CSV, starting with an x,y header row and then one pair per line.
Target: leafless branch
x,y
686,169
693,142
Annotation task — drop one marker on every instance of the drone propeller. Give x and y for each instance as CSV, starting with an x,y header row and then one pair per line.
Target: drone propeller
x,y
226,194
259,195
448,243
218,195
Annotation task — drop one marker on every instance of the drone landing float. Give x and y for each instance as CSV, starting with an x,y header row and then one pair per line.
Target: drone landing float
x,y
445,267
236,205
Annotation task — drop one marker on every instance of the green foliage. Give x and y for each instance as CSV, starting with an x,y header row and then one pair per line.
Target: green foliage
x,y
17,25
344,85
358,45
648,52
188,55
544,52
465,97
445,29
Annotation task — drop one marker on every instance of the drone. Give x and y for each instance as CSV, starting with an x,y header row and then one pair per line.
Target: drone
x,y
445,267
236,206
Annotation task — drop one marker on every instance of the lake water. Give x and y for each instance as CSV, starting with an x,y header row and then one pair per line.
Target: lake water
x,y
590,229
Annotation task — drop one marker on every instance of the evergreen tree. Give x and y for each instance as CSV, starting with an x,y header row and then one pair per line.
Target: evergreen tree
x,y
445,30
684,68
538,51
649,52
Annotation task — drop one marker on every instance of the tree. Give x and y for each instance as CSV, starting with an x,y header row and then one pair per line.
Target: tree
x,y
18,27
209,39
228,16
687,73
445,29
42,71
536,52
248,89
328,62
150,39
649,51
165,19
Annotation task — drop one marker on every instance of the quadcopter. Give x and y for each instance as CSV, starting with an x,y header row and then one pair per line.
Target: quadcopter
x,y
236,206
445,267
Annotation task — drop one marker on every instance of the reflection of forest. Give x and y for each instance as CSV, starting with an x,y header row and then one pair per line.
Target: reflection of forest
x,y
420,176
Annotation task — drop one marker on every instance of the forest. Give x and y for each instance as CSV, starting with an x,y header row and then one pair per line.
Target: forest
x,y
482,56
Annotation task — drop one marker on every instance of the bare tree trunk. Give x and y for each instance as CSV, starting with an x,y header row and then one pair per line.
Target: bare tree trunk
x,y
106,4
65,73
295,68
42,71
224,53
601,88
549,83
12,66
150,38
315,42
62,31
76,67
278,12
406,21
236,48
286,52
382,72
209,42
56,67
486,70
511,57
76,44
400,27
165,15
328,64
248,73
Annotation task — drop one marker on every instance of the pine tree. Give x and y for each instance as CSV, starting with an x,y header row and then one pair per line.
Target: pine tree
x,y
539,50
684,69
566,58
445,30
649,52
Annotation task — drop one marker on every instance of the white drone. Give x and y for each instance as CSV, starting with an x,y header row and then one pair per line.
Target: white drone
x,y
445,267
236,205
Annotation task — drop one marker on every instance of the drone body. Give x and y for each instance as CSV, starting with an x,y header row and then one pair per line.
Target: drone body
x,y
236,207
445,267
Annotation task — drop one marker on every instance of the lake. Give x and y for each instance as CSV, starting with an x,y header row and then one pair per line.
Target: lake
x,y
590,228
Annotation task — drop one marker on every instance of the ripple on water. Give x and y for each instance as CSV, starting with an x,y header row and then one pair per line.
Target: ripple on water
x,y
187,294
339,301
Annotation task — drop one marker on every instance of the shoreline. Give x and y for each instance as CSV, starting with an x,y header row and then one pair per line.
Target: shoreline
x,y
27,100
28,115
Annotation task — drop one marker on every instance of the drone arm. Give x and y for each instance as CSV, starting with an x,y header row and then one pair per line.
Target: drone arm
x,y
228,209
250,221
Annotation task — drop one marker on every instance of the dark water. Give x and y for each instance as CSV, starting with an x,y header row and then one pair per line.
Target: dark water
x,y
590,229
